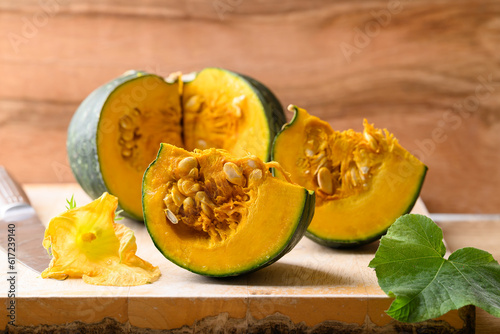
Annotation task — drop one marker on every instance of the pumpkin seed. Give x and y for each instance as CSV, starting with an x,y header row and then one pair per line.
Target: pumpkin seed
x,y
170,216
236,105
186,165
322,163
371,141
193,173
364,169
311,143
254,176
234,174
136,112
201,144
325,180
252,163
309,153
188,187
193,103
126,153
173,77
361,175
320,157
237,111
354,176
129,144
177,196
238,99
167,200
126,122
169,203
207,210
367,136
128,135
202,197
188,204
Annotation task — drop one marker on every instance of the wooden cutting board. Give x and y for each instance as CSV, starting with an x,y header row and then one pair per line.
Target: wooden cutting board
x,y
313,288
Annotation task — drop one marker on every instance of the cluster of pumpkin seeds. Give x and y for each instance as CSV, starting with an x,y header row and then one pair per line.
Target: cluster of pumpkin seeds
x,y
134,147
213,206
128,133
335,178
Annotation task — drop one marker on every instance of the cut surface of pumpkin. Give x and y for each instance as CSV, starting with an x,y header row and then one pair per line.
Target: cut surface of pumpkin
x,y
219,215
129,133
117,130
214,114
363,181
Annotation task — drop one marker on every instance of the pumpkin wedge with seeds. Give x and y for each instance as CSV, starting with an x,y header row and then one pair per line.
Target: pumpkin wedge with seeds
x,y
220,215
363,181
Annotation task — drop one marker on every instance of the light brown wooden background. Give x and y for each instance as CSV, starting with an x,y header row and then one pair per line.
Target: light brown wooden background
x,y
406,71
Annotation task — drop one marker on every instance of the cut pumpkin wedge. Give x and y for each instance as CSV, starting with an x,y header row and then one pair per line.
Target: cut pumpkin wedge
x,y
363,181
218,215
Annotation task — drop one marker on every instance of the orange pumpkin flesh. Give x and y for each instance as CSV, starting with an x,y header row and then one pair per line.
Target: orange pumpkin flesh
x,y
224,226
363,181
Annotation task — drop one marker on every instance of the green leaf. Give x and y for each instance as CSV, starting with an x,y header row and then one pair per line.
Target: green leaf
x,y
410,266
71,203
117,215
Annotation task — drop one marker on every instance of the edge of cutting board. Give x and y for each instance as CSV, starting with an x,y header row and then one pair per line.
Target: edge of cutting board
x,y
312,287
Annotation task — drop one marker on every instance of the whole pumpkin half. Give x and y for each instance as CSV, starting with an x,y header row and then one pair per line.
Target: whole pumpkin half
x,y
219,215
363,181
117,130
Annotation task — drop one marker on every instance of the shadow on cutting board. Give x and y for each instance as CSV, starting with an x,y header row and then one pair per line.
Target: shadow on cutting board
x,y
282,274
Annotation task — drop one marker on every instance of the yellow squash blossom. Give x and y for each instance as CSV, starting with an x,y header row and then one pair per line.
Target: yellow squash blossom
x,y
87,243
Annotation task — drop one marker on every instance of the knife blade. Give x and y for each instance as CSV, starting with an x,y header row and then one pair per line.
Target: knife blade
x,y
22,231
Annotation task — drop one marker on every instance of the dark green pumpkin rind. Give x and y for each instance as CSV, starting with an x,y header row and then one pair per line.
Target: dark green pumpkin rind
x,y
272,106
300,228
82,138
306,219
347,244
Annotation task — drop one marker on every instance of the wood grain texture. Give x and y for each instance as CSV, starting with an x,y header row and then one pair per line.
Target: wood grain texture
x,y
428,71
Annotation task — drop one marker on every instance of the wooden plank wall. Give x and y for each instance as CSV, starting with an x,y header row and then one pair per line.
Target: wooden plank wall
x,y
427,70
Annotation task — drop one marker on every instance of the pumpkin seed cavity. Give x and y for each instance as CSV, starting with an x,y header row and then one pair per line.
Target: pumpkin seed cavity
x,y
212,122
334,178
139,128
205,124
212,206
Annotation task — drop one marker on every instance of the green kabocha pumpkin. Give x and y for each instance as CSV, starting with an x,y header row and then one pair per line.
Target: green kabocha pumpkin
x,y
363,181
218,215
116,131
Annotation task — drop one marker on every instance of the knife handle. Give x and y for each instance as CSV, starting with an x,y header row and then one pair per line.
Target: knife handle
x,y
11,193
